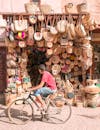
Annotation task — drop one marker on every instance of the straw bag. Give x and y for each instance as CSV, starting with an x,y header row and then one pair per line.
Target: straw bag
x,y
21,24
2,34
3,22
80,30
70,8
70,28
64,40
88,22
11,72
55,59
49,44
69,86
49,52
45,8
53,29
61,25
32,7
30,32
82,8
48,36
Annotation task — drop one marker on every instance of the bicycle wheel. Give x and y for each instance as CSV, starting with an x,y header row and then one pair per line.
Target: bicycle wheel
x,y
58,113
20,111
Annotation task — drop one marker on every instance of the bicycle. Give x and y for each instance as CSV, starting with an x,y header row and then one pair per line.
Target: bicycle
x,y
20,111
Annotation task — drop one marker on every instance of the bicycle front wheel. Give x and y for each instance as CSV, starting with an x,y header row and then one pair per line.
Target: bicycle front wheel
x,y
58,113
20,111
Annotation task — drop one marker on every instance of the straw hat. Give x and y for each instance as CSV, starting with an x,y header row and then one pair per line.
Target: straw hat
x,y
64,55
57,50
55,59
49,44
49,52
56,69
48,36
22,44
38,36
69,49
76,68
68,61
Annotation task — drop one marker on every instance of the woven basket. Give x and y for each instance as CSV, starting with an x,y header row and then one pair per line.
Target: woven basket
x,y
82,8
70,8
32,7
45,9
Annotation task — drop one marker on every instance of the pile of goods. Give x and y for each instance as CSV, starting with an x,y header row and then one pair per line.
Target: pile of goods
x,y
61,42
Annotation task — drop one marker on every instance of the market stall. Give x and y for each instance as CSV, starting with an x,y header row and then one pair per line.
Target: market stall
x,y
60,41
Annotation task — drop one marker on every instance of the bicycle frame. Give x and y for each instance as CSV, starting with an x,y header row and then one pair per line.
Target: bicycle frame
x,y
35,102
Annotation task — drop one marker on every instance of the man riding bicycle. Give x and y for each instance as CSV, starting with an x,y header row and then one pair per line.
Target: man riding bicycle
x,y
47,85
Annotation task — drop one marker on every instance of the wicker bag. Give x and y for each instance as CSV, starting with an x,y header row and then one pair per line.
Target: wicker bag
x,y
70,28
45,8
32,7
3,22
82,8
70,8
80,30
2,34
21,24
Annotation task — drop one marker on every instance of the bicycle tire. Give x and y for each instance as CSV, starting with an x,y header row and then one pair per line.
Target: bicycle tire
x,y
58,115
20,111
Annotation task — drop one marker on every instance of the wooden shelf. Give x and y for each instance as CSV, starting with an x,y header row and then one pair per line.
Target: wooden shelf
x,y
27,14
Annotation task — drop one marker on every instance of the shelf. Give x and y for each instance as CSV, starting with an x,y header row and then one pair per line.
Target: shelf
x,y
27,14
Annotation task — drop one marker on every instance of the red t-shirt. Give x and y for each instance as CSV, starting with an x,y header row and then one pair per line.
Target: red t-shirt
x,y
49,80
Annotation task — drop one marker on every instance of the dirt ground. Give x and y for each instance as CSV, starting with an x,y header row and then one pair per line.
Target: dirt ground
x,y
81,119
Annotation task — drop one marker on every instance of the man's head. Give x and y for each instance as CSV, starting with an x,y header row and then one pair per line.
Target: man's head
x,y
41,68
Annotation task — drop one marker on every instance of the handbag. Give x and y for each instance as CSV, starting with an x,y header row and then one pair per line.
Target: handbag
x,y
21,24
80,29
82,8
3,22
2,34
32,7
70,8
70,28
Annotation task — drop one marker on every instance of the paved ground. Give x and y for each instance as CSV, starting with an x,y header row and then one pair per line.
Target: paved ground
x,y
81,119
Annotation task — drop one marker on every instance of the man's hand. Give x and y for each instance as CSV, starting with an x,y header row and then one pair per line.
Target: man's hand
x,y
31,89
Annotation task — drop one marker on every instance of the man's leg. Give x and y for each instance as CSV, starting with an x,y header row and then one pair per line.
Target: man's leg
x,y
41,101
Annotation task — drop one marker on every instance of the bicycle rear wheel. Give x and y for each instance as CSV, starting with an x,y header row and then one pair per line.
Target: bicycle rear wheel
x,y
57,113
20,111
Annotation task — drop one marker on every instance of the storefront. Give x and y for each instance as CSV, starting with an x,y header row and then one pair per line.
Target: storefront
x,y
61,41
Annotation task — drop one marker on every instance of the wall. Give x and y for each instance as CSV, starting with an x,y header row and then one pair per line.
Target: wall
x,y
12,5
57,6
